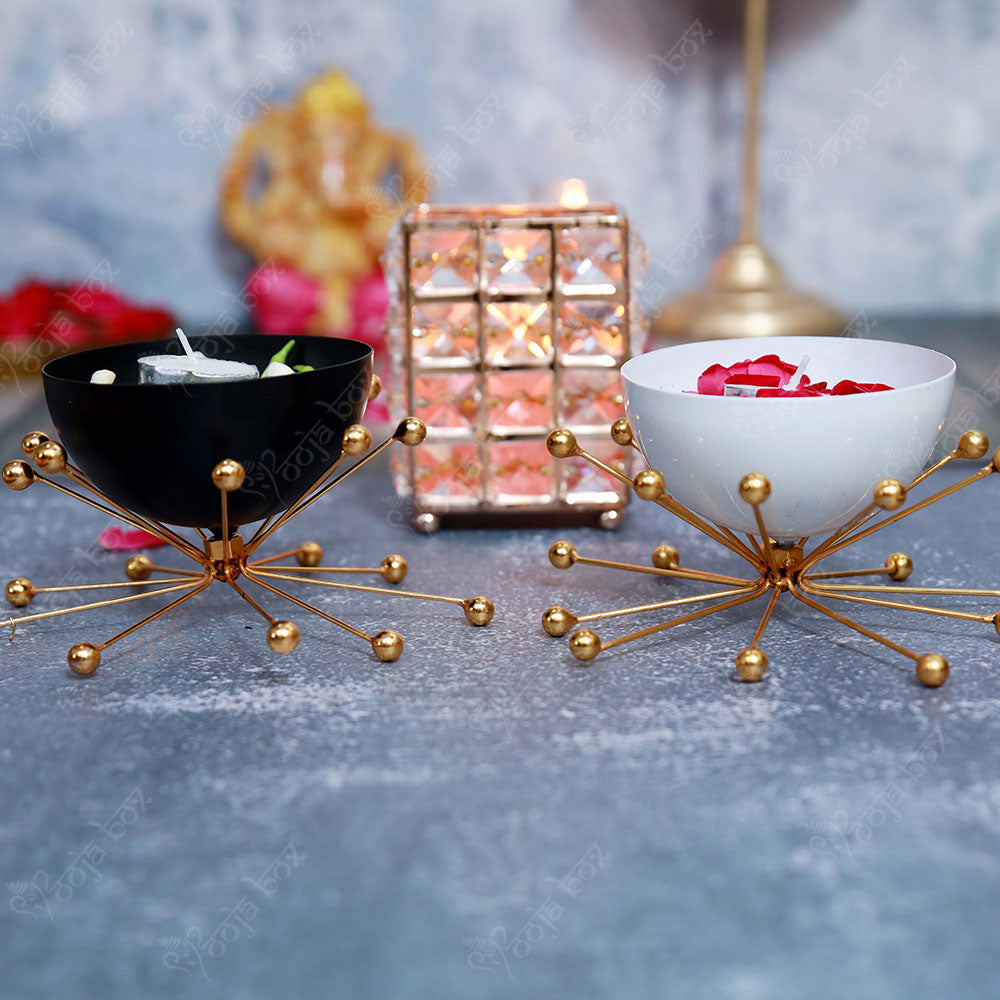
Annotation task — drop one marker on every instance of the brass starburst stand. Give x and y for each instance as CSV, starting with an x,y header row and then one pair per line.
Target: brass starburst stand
x,y
226,558
775,569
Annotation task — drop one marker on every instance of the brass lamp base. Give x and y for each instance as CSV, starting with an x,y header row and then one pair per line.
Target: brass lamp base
x,y
227,558
774,569
747,296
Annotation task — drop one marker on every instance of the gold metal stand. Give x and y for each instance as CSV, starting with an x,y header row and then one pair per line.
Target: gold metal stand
x,y
227,558
775,568
746,294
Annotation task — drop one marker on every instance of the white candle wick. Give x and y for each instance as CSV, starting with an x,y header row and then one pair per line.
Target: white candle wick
x,y
184,342
795,380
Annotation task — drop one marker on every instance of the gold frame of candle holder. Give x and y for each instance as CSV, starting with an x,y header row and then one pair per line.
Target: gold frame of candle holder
x,y
228,558
483,220
775,570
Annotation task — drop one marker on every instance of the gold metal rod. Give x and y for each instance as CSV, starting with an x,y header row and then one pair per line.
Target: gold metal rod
x,y
755,40
263,526
319,569
765,538
875,571
227,548
677,509
652,630
253,604
853,625
889,589
812,559
682,574
927,473
658,605
766,617
101,604
105,586
311,498
275,558
154,528
187,548
156,614
203,535
357,586
901,605
307,607
176,572
756,547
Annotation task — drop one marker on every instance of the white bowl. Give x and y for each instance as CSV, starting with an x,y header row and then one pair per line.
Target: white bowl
x,y
823,455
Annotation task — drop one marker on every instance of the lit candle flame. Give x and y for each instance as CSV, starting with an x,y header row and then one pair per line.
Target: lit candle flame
x,y
574,194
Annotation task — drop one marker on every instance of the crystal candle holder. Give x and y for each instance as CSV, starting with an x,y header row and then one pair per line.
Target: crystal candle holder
x,y
506,321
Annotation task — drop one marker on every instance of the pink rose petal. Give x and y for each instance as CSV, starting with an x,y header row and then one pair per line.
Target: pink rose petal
x,y
127,539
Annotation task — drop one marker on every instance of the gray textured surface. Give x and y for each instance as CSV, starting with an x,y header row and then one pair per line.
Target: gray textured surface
x,y
906,216
434,798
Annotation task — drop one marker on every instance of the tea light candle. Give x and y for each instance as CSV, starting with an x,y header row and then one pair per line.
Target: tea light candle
x,y
192,366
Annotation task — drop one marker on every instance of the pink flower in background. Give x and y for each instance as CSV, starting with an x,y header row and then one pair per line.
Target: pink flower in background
x,y
368,306
283,299
125,540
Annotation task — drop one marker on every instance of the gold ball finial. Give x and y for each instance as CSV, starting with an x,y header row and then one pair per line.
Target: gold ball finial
x,y
388,645
561,443
84,658
584,645
755,488
666,557
899,565
283,637
357,440
621,433
411,432
478,610
996,460
17,475
890,494
996,622
649,484
932,670
393,569
50,456
32,441
973,444
376,388
139,568
20,592
309,554
562,555
751,664
557,620
228,475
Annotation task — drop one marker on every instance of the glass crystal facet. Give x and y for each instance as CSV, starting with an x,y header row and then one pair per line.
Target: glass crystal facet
x,y
591,398
591,261
517,260
447,472
518,333
584,483
520,400
592,330
446,402
521,472
445,333
443,262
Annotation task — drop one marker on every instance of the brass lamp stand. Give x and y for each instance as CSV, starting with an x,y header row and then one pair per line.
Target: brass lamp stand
x,y
746,294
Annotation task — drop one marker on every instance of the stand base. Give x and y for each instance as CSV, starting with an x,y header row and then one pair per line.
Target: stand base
x,y
775,569
225,559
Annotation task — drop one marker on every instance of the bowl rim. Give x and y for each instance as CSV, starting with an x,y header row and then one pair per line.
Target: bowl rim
x,y
366,351
628,371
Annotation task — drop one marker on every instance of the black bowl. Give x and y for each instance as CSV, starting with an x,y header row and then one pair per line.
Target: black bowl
x,y
152,448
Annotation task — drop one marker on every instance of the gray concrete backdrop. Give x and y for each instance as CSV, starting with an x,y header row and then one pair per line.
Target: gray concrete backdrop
x,y
903,214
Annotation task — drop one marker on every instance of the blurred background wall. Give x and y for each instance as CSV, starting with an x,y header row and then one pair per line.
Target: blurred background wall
x,y
907,218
